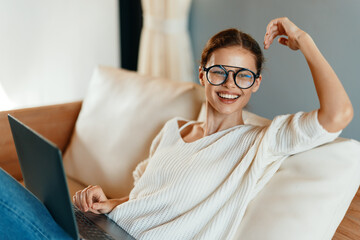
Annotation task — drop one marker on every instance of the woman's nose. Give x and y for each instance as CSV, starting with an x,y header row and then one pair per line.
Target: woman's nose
x,y
230,81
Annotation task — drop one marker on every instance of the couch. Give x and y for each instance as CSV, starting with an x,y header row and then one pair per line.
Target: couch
x,y
313,195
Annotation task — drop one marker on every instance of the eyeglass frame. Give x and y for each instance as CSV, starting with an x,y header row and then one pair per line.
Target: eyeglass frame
x,y
256,76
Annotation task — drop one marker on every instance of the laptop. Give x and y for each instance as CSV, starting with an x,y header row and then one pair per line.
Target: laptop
x,y
43,173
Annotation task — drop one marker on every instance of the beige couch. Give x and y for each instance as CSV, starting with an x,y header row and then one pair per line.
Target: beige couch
x,y
122,112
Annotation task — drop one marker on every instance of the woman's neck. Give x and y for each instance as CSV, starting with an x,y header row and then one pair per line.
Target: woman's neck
x,y
215,121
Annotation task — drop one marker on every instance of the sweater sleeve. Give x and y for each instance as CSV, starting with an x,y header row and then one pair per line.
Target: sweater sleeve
x,y
141,167
294,133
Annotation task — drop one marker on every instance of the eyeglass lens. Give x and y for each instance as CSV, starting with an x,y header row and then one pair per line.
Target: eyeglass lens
x,y
216,75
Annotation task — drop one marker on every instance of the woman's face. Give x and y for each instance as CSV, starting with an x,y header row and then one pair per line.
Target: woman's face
x,y
228,98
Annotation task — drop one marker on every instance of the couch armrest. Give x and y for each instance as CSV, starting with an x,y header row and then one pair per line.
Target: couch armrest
x,y
55,122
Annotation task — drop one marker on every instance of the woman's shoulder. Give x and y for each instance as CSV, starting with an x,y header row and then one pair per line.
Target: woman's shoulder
x,y
290,118
305,123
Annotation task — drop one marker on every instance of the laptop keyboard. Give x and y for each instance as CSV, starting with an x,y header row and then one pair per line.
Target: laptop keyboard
x,y
87,228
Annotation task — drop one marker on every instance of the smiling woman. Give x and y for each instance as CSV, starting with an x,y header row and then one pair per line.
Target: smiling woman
x,y
234,92
229,51
210,170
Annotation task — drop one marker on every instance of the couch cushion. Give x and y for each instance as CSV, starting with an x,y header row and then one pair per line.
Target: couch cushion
x,y
307,197
121,114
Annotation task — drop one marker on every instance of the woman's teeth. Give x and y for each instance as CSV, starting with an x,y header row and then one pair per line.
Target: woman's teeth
x,y
228,96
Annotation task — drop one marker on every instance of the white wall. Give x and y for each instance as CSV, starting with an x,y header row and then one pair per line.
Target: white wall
x,y
49,48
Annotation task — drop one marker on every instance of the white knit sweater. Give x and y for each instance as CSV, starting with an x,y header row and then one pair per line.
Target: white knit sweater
x,y
200,190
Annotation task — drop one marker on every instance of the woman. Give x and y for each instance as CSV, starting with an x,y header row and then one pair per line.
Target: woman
x,y
200,176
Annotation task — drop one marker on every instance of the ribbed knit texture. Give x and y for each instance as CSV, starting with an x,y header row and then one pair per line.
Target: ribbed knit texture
x,y
200,190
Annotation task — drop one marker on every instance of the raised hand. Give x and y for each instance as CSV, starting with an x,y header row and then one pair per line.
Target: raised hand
x,y
93,199
283,27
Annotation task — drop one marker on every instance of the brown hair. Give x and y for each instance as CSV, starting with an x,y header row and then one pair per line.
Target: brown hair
x,y
233,37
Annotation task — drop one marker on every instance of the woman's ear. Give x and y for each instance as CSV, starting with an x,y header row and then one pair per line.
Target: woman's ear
x,y
256,85
201,76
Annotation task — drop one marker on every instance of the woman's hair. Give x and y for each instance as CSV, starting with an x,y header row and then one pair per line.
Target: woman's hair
x,y
233,37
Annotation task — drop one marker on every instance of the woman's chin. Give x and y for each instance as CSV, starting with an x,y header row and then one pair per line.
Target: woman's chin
x,y
228,110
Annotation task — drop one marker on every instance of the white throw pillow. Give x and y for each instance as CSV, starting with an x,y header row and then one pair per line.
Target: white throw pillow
x,y
307,197
121,114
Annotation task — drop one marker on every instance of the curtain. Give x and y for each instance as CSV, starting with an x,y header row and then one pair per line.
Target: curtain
x,y
165,48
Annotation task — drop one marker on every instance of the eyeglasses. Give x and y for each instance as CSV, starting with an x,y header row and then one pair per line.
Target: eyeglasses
x,y
217,75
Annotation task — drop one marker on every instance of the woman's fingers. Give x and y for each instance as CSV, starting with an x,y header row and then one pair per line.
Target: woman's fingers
x,y
74,201
83,199
102,207
273,28
272,36
284,41
270,24
93,199
93,194
282,26
77,200
272,31
89,198
106,206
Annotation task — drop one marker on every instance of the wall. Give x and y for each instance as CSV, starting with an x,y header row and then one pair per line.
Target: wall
x,y
287,85
49,48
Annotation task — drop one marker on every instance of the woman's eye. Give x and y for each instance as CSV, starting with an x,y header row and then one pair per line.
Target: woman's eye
x,y
242,75
219,72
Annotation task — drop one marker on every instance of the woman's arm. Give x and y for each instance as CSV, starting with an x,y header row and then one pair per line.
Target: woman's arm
x,y
93,199
336,110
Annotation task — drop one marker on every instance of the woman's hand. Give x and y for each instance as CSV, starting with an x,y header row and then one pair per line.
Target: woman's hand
x,y
283,27
93,199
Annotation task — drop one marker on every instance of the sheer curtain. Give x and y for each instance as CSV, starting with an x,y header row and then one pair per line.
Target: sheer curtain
x,y
165,48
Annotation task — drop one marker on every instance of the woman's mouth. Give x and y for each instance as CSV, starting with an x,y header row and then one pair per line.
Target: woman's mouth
x,y
227,97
